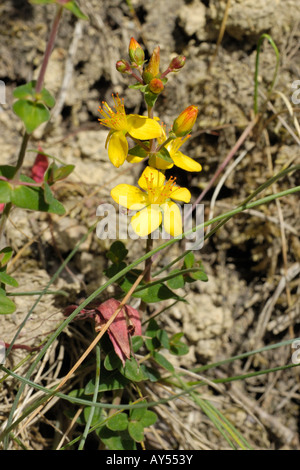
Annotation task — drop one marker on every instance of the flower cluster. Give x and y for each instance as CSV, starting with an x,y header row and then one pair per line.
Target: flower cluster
x,y
153,201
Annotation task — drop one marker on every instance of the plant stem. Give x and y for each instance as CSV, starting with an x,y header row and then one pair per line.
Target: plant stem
x,y
50,45
21,156
148,264
38,89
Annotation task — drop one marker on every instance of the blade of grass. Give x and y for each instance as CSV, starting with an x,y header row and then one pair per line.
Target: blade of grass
x,y
95,395
260,41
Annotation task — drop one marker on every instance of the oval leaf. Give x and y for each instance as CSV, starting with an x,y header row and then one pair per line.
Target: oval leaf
x,y
32,114
6,305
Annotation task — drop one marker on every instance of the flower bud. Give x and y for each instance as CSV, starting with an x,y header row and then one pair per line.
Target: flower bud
x,y
156,86
152,69
185,121
177,63
136,53
123,66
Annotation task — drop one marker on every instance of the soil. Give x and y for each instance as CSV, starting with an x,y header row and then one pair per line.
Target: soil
x,y
253,262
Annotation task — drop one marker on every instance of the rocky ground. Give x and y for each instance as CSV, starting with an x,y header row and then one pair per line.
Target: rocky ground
x,y
247,303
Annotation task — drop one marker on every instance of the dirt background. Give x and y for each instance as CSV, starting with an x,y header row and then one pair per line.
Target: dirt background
x,y
247,303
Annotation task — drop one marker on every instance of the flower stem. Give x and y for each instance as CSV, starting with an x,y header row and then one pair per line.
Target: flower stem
x,y
148,264
50,45
21,156
38,88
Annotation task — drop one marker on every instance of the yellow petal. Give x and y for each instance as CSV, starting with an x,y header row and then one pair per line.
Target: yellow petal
x,y
117,148
181,194
159,163
134,159
142,127
151,176
129,196
172,218
185,162
147,220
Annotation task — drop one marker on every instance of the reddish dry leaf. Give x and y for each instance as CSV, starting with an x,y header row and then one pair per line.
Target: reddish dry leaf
x,y
39,167
126,323
2,205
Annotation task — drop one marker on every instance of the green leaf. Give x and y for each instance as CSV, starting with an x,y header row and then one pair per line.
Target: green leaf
x,y
31,113
74,8
109,381
5,190
138,151
132,371
149,418
138,86
7,306
5,255
112,361
46,97
62,172
136,414
116,440
118,422
152,374
199,276
115,269
163,338
97,416
33,198
137,342
150,98
176,282
156,293
136,430
117,252
178,348
25,92
189,260
7,279
164,155
7,171
162,361
48,194
151,340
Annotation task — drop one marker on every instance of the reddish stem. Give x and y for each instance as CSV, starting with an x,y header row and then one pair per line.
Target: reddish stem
x,y
23,346
50,45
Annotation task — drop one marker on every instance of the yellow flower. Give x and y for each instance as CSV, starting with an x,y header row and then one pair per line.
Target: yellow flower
x,y
120,124
178,158
153,202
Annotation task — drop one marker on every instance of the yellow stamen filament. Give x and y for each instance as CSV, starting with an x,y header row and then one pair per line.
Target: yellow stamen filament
x,y
114,119
159,194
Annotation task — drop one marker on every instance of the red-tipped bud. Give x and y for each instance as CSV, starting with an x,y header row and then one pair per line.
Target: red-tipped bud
x,y
177,63
152,69
185,121
156,86
123,66
136,53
